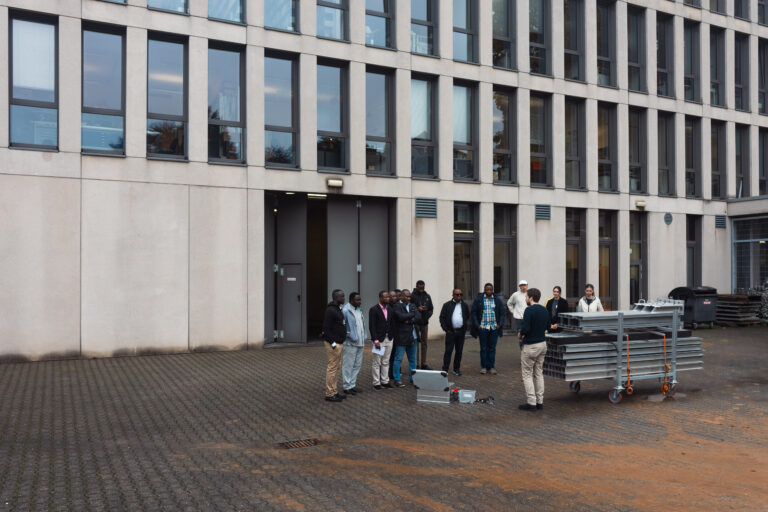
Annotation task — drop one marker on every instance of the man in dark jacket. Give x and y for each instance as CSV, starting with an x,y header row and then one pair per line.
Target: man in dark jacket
x,y
556,305
533,336
335,332
380,326
454,319
423,303
487,318
405,317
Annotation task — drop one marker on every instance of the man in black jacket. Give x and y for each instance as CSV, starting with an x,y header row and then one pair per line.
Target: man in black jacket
x,y
423,302
380,326
335,331
404,320
454,319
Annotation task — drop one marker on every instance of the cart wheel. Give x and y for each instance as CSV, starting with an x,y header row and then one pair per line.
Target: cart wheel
x,y
575,386
694,325
630,390
672,390
614,396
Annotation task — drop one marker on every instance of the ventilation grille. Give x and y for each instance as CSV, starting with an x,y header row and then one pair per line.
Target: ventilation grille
x,y
720,221
426,207
301,443
543,212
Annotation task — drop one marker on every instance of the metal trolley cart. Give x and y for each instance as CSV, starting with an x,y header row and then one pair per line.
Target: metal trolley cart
x,y
625,347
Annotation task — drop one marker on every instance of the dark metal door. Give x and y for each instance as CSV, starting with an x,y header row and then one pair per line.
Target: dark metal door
x,y
290,303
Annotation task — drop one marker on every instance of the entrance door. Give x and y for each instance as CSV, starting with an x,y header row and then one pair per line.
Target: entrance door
x,y
291,311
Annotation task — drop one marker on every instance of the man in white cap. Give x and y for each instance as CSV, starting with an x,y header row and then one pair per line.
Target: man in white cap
x,y
517,304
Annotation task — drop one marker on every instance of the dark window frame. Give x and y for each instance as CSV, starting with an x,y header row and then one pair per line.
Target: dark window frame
x,y
611,243
580,242
390,138
344,133
243,14
641,260
741,9
581,147
546,32
642,161
742,156
472,31
296,21
434,128
693,164
161,9
692,74
741,99
473,239
693,3
763,165
184,41
719,6
431,24
719,166
666,24
547,155
509,239
510,153
389,16
693,223
761,12
612,146
47,20
639,66
610,59
762,76
240,50
716,66
509,41
578,52
668,135
295,114
344,8
473,89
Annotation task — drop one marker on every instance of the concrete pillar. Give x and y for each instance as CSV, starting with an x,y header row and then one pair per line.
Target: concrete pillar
x,y
198,8
621,47
704,75
486,244
445,30
198,99
590,141
730,68
730,158
680,154
650,51
593,248
256,270
652,136
136,101
254,114
706,158
402,135
558,141
679,71
357,117
402,25
70,84
622,148
523,99
307,17
405,239
590,44
308,109
622,260
356,17
484,41
754,160
557,44
484,131
444,118
5,63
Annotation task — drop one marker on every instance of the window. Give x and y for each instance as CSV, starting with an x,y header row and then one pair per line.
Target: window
x,y
227,10
717,148
332,19
716,66
636,48
540,140
665,56
179,6
280,110
167,97
691,58
226,104
423,17
741,9
464,29
637,150
378,23
763,140
539,36
423,135
464,249
741,71
638,235
573,35
606,147
692,156
331,116
718,6
761,12
504,34
34,98
504,250
693,250
103,114
464,132
693,3
379,129
742,160
575,128
762,79
504,133
575,253
666,146
606,42
750,252
607,258
281,15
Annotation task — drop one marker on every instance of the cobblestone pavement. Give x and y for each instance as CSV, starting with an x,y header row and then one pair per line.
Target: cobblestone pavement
x,y
200,432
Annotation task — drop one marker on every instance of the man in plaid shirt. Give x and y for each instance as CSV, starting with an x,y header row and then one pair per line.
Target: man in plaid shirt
x,y
487,319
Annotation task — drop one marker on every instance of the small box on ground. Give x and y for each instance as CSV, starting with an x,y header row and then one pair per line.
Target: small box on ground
x,y
432,386
467,396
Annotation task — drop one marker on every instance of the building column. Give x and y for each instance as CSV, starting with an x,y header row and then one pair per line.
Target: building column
x,y
680,154
405,239
590,143
356,102
307,16
198,99
650,51
705,166
730,158
445,30
558,141
622,146
590,45
485,132
256,269
308,109
556,57
402,136
523,108
5,63
486,243
484,41
679,70
444,121
621,46
70,84
652,136
592,242
254,104
622,260
136,101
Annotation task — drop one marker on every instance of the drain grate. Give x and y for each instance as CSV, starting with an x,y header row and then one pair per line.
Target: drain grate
x,y
301,443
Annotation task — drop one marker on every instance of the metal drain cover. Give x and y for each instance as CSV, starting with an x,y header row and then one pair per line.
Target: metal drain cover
x,y
301,443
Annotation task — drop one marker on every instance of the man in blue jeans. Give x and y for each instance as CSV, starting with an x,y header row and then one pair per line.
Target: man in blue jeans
x,y
405,317
487,319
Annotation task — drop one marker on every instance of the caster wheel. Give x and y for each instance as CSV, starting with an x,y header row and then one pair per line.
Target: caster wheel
x,y
672,390
630,390
614,396
575,386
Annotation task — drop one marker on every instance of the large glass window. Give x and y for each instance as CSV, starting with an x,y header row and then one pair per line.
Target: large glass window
x,y
742,160
573,35
464,138
638,282
227,10
281,14
718,6
575,253
539,36
423,135
464,30
607,258
750,251
179,6
504,133
741,9
761,12
540,139
606,147
574,143
504,34
280,109
504,250
637,150
665,56
378,123
692,156
741,71
167,97
331,116
716,66
666,147
378,23
717,148
34,114
762,76
332,19
103,114
226,104
693,250
464,249
423,19
636,48
691,61
606,42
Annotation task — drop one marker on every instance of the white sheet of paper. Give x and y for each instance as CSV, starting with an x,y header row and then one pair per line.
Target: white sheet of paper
x,y
379,351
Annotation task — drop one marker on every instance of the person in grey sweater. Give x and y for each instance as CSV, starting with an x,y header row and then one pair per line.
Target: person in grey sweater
x,y
353,345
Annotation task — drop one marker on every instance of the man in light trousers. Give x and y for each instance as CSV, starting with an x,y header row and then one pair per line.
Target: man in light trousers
x,y
533,341
354,344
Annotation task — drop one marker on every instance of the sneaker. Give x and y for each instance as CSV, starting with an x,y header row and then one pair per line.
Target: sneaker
x,y
357,390
343,397
377,387
387,385
539,406
399,384
483,371
457,372
493,371
334,398
527,407
350,392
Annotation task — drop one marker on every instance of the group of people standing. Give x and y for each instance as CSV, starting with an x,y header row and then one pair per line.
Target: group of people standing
x,y
399,325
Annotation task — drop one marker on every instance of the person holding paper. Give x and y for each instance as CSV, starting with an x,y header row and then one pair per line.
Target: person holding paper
x,y
379,324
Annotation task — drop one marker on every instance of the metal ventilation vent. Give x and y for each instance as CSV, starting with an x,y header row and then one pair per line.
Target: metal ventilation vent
x,y
426,207
543,212
720,221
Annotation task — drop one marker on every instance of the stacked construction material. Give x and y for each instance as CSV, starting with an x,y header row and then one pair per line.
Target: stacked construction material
x,y
738,310
577,356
